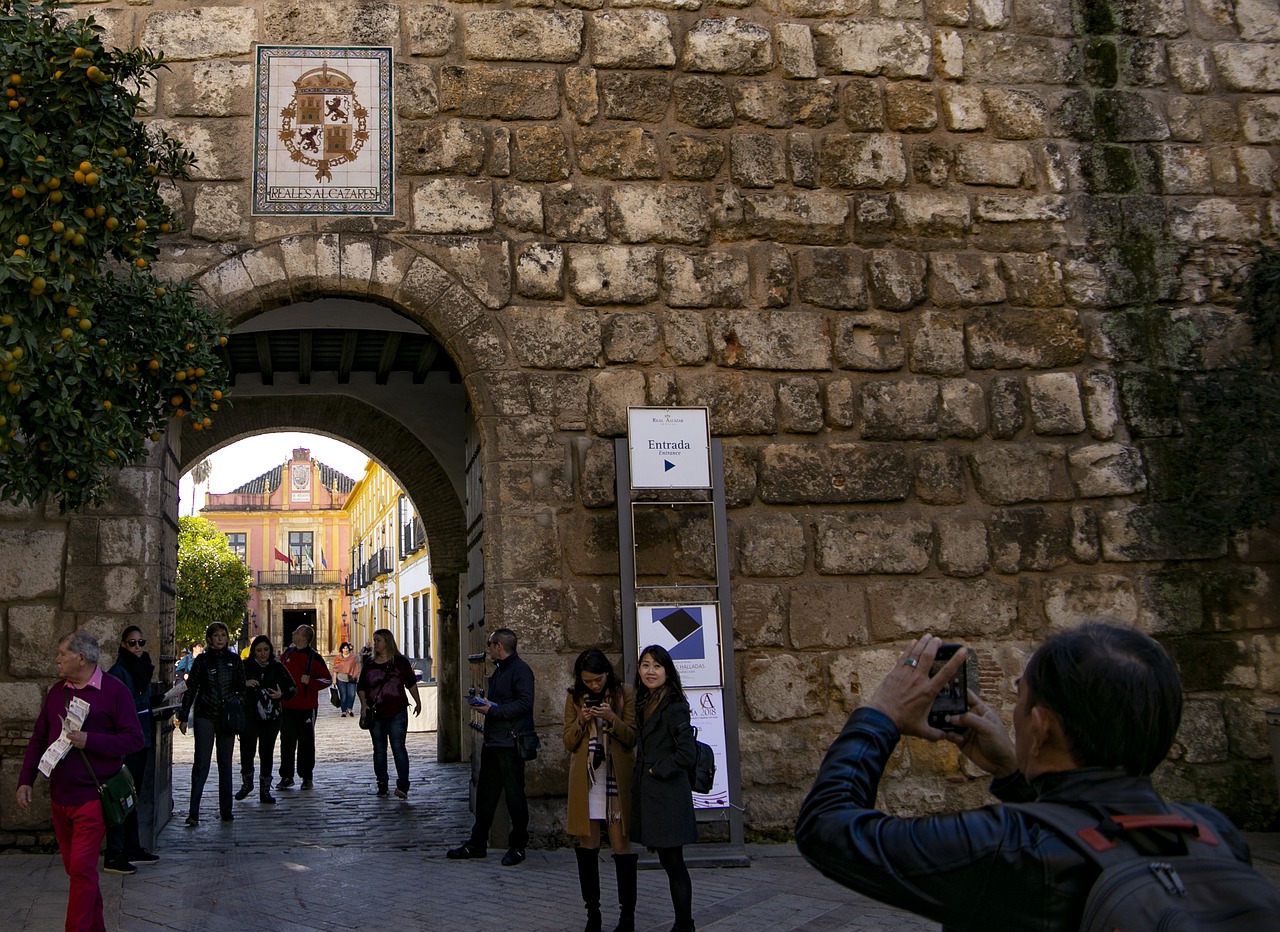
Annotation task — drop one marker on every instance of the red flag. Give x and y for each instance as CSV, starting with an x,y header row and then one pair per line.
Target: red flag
x,y
283,556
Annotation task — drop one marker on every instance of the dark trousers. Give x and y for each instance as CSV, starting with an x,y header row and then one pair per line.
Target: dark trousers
x,y
206,738
259,738
394,731
122,840
501,773
297,739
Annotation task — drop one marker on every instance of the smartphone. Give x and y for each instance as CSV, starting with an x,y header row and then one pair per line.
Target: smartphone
x,y
592,700
953,698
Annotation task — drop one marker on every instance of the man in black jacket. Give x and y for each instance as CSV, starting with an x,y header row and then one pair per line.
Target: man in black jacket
x,y
1098,708
508,712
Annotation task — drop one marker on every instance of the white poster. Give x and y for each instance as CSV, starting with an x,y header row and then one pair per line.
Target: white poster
x,y
670,448
706,713
691,635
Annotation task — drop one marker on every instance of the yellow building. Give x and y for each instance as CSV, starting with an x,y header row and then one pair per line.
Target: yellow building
x,y
390,581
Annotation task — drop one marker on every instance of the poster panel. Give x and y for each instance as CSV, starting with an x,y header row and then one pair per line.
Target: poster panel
x,y
690,633
706,713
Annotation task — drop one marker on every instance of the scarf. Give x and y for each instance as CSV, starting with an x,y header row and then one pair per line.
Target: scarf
x,y
598,742
138,668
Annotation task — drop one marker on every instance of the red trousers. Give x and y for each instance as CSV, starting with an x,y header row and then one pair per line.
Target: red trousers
x,y
80,831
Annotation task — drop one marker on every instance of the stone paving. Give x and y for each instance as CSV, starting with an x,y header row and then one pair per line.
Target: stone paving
x,y
339,858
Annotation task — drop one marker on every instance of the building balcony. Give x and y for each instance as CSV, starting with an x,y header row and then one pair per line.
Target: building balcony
x,y
323,578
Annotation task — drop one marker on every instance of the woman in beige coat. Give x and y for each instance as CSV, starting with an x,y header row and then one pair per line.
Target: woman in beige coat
x,y
600,734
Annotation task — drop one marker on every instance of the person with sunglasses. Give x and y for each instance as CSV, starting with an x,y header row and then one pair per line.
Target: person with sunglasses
x,y
134,668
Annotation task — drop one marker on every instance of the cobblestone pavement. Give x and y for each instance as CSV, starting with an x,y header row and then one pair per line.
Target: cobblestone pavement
x,y
339,858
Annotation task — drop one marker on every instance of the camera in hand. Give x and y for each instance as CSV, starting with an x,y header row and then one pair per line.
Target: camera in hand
x,y
953,698
474,697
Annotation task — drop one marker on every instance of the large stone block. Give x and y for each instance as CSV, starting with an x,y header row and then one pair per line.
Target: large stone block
x,y
799,406
933,214
828,615
554,337
221,213
612,392
911,107
894,49
631,39
795,50
487,93
1248,66
128,540
703,102
685,337
343,22
1055,403
206,32
1006,164
33,640
871,543
779,106
1073,600
1006,475
1015,114
782,687
613,274
1003,59
833,278
937,345
1106,469
833,473
789,340
666,214
869,342
208,88
963,409
908,608
620,154
693,158
897,278
899,409
630,338
430,29
453,206
32,568
864,161
575,213
817,218
705,279
940,477
523,35
965,279
441,146
728,46
1029,539
962,547
588,614
540,154
772,545
1033,279
739,403
756,160
1011,339
759,616
539,269
113,589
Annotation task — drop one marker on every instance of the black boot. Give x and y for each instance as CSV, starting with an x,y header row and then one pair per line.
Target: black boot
x,y
589,881
624,865
246,786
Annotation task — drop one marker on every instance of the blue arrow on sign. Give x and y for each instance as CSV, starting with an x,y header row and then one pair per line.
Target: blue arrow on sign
x,y
667,465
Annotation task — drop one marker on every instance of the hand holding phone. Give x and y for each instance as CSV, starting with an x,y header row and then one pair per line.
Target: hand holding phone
x,y
953,698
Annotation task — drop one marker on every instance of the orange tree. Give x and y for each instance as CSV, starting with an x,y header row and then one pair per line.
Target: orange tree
x,y
96,353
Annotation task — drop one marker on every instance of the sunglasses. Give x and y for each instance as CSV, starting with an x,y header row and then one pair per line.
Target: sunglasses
x,y
136,642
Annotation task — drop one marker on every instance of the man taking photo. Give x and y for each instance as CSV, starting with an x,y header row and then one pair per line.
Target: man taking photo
x,y
1098,708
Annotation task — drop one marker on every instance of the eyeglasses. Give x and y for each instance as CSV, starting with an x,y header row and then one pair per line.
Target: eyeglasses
x,y
137,642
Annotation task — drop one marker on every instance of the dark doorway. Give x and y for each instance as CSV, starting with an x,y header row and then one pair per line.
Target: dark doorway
x,y
294,617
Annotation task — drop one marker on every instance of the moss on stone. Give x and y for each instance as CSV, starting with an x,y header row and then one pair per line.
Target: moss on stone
x,y
1101,62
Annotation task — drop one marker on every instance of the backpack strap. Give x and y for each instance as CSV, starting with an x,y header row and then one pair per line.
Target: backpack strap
x,y
1099,840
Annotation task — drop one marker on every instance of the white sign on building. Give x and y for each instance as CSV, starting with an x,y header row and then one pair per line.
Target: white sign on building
x,y
670,448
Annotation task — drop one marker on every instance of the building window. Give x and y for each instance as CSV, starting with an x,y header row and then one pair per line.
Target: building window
x,y
239,546
301,554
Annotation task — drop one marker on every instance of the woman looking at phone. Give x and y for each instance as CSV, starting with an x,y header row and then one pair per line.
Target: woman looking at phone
x,y
384,708
662,798
599,733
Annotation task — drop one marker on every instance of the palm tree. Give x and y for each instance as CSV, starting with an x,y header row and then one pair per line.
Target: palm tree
x,y
200,473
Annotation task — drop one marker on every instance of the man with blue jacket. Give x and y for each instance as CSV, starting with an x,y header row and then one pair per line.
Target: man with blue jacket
x,y
508,713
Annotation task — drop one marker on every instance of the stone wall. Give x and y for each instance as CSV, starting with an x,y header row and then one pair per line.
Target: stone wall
x,y
937,267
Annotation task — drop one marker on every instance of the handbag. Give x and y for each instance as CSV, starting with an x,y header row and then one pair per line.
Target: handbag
x,y
527,745
230,716
334,699
118,795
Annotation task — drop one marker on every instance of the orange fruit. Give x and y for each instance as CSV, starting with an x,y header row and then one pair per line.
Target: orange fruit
x,y
153,365
18,191
58,226
85,323
140,263
65,333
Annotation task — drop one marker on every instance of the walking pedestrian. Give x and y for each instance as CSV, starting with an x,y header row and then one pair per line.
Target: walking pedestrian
x,y
600,734
384,708
134,668
266,684
346,670
96,753
298,715
508,713
215,691
662,796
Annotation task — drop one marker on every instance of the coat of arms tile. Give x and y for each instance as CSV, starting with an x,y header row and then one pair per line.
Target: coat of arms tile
x,y
322,131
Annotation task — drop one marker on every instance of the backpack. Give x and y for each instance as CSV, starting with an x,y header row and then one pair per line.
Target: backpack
x,y
1205,890
702,775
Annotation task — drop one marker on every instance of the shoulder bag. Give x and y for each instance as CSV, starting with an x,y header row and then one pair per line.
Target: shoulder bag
x,y
118,795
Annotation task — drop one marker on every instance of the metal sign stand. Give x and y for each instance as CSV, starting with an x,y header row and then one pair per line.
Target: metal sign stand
x,y
735,855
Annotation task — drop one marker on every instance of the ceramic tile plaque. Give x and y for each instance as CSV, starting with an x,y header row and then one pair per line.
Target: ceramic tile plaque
x,y
322,140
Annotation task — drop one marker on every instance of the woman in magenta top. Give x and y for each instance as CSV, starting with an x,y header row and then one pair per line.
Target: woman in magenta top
x,y
386,681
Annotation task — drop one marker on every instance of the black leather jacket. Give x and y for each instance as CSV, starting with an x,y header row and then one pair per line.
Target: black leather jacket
x,y
982,869
511,690
215,676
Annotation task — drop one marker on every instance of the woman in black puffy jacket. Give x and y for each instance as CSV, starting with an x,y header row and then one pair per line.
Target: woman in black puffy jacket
x,y
214,688
267,684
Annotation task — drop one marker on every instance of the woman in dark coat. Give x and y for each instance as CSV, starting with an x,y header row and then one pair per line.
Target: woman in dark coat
x,y
134,668
267,683
215,689
662,795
